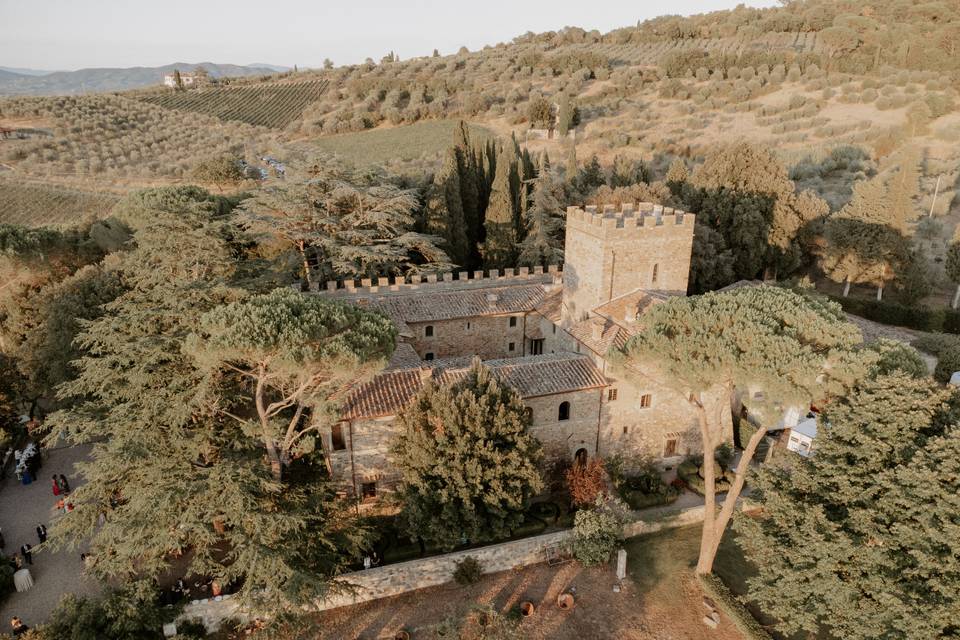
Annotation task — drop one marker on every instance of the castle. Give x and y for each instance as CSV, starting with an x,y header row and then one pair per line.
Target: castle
x,y
545,333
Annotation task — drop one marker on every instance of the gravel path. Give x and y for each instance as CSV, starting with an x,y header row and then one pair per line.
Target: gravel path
x,y
22,508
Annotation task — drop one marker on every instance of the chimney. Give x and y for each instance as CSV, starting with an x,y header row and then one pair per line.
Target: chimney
x,y
596,331
493,299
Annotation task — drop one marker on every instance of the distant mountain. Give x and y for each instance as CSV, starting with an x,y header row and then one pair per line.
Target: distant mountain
x,y
27,72
107,79
263,65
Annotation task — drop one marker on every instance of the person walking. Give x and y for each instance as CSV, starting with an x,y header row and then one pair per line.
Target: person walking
x,y
18,627
25,550
42,532
56,486
64,485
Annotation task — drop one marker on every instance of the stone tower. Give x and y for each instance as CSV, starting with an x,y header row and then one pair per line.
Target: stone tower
x,y
612,252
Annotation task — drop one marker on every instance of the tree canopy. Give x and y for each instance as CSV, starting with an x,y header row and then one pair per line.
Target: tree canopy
x,y
467,459
862,537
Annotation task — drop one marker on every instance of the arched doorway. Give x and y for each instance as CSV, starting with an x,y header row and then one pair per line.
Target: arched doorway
x,y
580,457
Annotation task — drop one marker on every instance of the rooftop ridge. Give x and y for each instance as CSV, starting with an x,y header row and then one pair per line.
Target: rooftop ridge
x,y
628,216
435,282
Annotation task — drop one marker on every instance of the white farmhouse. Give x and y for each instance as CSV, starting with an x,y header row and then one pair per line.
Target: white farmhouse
x,y
802,436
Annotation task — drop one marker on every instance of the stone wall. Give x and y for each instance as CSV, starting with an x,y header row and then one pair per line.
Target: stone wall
x,y
394,579
489,337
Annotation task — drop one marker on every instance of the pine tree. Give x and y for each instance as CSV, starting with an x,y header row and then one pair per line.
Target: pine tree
x,y
542,245
816,359
500,246
862,536
863,244
171,472
468,461
444,211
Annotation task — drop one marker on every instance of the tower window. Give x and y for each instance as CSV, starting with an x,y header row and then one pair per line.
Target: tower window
x,y
625,429
513,321
645,401
336,437
564,412
428,355
656,272
428,331
611,394
511,347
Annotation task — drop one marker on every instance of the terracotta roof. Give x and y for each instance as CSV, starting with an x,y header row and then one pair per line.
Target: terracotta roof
x,y
599,334
423,306
404,357
531,376
550,307
624,309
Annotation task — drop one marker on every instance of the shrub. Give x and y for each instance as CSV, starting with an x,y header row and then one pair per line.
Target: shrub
x,y
586,481
714,588
468,571
598,530
948,362
191,630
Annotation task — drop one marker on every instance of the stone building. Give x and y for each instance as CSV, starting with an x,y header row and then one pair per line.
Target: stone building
x,y
546,333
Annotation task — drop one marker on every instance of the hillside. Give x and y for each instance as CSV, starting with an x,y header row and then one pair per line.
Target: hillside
x,y
112,79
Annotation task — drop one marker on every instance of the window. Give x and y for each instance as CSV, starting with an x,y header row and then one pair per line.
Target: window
x,y
511,346
428,331
368,490
580,457
564,412
528,411
468,326
670,449
645,401
611,394
554,329
428,355
513,321
336,435
536,346
626,429
656,272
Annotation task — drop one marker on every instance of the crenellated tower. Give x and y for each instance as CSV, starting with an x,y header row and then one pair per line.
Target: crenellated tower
x,y
610,252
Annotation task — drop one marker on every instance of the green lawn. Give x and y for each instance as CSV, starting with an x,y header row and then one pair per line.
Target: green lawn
x,y
425,139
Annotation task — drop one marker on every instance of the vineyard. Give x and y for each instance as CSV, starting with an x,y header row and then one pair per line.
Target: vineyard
x,y
37,205
268,105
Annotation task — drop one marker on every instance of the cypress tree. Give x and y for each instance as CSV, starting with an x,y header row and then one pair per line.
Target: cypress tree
x,y
500,246
469,184
444,211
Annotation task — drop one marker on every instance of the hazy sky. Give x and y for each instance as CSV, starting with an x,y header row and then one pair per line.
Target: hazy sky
x,y
71,34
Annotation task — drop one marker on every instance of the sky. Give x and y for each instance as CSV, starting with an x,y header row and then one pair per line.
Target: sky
x,y
73,34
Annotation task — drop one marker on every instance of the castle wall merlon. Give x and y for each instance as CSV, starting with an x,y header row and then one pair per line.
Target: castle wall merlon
x,y
435,282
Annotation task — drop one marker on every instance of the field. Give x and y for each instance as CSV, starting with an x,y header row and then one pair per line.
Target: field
x,y
34,205
265,105
423,140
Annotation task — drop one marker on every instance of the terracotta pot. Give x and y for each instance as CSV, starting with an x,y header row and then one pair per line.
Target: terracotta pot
x,y
565,601
527,609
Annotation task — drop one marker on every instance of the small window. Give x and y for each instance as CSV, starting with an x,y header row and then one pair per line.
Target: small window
x,y
611,394
564,412
670,449
626,429
511,346
336,436
428,331
554,329
368,490
513,321
428,355
645,401
656,273
468,326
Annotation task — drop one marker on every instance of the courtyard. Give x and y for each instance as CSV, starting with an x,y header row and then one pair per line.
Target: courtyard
x,y
22,508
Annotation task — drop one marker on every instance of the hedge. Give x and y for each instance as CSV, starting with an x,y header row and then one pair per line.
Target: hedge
x,y
733,608
913,317
690,474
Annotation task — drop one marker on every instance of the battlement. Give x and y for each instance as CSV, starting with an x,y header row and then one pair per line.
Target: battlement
x,y
437,282
630,217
